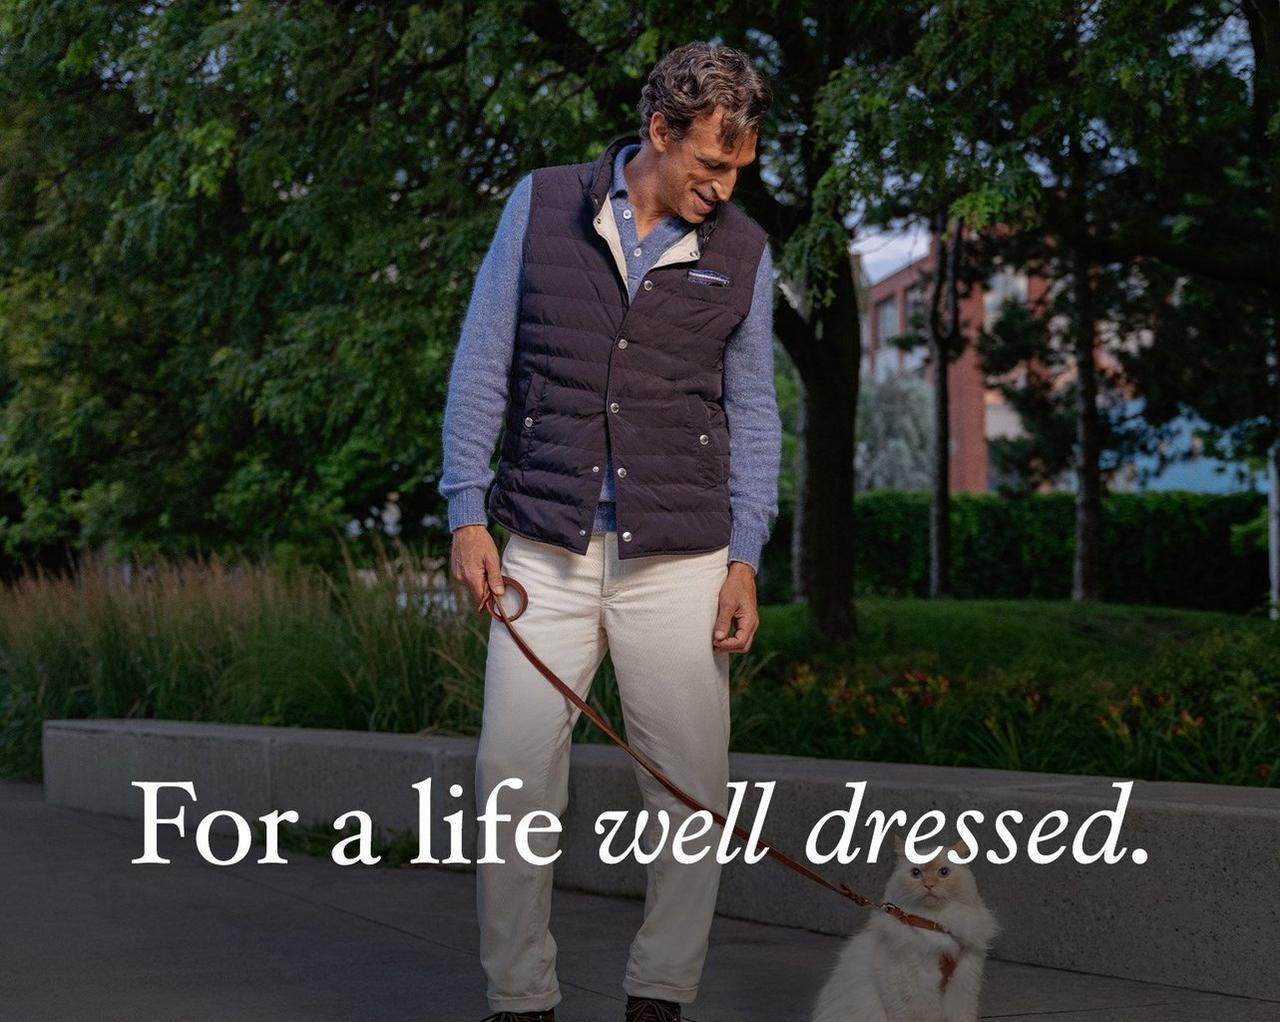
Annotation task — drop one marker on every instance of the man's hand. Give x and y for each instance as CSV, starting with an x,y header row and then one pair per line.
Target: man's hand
x,y
475,561
737,605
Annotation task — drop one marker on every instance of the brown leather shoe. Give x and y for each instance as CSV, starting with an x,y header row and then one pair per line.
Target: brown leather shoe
x,y
647,1009
522,1016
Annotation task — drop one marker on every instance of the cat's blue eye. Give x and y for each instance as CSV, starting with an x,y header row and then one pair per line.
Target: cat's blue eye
x,y
915,871
944,872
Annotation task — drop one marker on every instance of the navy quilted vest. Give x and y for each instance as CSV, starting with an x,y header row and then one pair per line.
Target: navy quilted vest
x,y
594,372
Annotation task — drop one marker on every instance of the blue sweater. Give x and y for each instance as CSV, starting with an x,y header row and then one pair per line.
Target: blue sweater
x,y
477,394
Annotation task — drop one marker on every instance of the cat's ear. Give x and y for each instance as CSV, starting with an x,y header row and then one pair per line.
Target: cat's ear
x,y
961,848
900,846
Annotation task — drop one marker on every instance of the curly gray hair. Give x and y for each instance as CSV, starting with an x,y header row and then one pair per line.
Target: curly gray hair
x,y
694,79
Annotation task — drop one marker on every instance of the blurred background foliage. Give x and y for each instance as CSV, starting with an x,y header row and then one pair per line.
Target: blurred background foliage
x,y
237,239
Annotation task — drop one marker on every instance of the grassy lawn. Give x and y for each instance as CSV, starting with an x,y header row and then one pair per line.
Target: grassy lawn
x,y
1060,640
1127,691
1121,691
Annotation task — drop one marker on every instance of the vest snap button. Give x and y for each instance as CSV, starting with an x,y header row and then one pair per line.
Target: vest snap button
x,y
582,532
626,537
622,342
528,420
595,468
613,407
622,473
648,285
704,439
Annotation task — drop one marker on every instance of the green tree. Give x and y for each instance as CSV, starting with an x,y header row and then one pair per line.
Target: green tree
x,y
1086,123
236,242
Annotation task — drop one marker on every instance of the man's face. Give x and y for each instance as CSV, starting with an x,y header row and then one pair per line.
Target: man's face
x,y
697,172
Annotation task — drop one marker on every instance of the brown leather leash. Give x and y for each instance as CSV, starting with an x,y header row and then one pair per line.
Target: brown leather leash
x,y
493,604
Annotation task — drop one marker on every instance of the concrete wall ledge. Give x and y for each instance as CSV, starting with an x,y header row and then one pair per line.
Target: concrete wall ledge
x,y
1203,912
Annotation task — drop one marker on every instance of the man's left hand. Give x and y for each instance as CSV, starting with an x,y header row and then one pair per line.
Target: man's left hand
x,y
737,605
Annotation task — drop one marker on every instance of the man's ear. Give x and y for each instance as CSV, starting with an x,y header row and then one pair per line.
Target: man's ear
x,y
659,131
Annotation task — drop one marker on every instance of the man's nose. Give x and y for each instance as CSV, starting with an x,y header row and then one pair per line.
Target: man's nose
x,y
723,187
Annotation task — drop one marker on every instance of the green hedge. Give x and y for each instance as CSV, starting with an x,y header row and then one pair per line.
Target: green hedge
x,y
1168,548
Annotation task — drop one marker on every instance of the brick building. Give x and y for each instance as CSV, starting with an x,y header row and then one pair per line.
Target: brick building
x,y
978,413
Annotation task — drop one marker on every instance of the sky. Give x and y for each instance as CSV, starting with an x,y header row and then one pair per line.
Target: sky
x,y
885,251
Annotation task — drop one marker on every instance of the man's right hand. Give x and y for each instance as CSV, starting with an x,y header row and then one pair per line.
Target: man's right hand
x,y
475,561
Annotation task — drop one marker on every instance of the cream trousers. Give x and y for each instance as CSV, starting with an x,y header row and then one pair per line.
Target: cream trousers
x,y
655,616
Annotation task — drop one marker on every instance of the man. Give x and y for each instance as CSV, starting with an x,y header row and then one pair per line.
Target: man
x,y
623,314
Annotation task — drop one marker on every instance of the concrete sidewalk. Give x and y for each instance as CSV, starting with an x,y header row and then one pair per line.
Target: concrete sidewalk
x,y
84,934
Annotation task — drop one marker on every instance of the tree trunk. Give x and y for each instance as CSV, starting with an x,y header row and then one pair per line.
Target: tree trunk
x,y
943,337
1273,525
826,540
826,352
940,504
1085,583
1273,464
1263,19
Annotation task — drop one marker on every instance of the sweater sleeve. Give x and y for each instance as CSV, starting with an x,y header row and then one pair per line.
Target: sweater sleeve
x,y
755,428
477,394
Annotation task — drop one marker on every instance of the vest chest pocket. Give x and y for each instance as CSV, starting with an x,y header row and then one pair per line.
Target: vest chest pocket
x,y
711,312
709,296
709,437
532,410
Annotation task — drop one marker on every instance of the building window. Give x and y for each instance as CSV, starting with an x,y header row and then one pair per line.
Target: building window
x,y
887,320
864,339
915,359
1005,285
917,310
886,328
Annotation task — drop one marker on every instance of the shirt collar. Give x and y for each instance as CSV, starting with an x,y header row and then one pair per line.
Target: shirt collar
x,y
618,186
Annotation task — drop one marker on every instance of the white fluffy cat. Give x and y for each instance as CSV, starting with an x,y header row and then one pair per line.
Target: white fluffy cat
x,y
891,972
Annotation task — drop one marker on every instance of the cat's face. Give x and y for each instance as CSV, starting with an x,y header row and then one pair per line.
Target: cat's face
x,y
931,884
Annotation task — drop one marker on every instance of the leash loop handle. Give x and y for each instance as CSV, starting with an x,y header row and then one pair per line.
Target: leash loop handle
x,y
492,602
